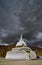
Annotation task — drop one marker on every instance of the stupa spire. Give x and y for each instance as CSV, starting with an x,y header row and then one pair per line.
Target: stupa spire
x,y
21,38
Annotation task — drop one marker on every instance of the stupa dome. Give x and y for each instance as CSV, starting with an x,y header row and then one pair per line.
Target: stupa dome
x,y
21,42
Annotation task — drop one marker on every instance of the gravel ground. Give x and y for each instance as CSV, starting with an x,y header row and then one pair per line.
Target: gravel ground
x,y
20,62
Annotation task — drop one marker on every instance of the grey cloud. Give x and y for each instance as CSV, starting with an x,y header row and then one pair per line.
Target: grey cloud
x,y
8,19
20,15
39,35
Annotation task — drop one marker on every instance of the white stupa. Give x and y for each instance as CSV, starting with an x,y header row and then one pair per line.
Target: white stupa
x,y
21,51
21,42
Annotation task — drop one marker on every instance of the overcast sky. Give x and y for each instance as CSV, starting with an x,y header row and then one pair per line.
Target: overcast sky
x,y
18,16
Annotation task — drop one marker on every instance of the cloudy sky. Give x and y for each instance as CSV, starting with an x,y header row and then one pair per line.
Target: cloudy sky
x,y
21,16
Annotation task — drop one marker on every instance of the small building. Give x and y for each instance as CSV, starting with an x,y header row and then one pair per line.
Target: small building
x,y
21,51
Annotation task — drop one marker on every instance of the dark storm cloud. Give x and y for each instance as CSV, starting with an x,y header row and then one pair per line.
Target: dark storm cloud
x,y
20,15
31,17
8,15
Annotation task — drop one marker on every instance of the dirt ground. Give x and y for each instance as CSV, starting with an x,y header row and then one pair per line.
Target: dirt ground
x,y
20,62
